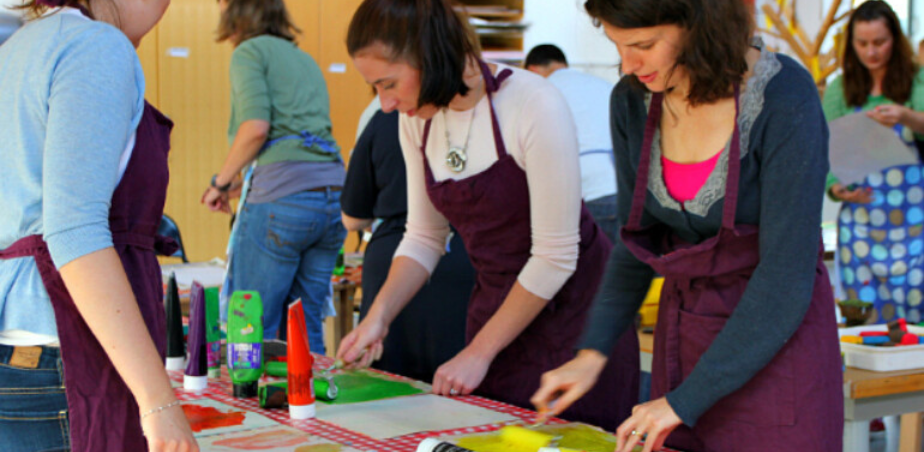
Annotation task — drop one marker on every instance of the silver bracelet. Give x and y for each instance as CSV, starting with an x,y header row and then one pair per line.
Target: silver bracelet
x,y
160,408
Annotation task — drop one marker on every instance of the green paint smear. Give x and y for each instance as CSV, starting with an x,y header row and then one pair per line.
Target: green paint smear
x,y
362,386
573,436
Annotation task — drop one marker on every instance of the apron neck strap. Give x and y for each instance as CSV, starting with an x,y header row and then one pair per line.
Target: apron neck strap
x,y
730,205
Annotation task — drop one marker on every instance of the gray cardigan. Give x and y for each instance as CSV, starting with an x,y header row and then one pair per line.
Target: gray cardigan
x,y
784,160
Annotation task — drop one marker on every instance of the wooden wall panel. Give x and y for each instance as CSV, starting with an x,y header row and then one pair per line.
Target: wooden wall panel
x,y
148,54
306,15
194,92
349,93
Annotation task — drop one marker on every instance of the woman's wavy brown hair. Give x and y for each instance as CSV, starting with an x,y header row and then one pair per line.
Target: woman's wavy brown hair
x,y
900,71
717,38
426,34
245,19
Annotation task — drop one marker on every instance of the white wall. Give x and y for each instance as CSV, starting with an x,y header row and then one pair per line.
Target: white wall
x,y
565,24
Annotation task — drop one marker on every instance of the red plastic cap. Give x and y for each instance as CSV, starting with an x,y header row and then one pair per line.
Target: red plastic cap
x,y
909,339
246,296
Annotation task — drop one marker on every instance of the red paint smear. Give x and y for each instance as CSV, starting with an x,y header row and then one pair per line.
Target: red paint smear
x,y
207,418
267,440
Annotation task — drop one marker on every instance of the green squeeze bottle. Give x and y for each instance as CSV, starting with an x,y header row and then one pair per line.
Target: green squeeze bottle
x,y
245,342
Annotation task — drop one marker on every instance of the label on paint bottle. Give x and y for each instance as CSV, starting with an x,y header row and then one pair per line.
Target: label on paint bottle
x,y
213,354
245,356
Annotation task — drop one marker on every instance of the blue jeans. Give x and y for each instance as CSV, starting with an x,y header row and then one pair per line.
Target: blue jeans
x,y
286,250
33,408
604,212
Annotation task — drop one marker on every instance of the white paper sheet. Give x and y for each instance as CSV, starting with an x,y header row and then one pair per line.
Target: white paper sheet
x,y
209,274
401,416
860,145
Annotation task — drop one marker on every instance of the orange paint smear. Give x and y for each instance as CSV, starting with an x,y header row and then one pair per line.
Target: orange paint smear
x,y
207,418
266,440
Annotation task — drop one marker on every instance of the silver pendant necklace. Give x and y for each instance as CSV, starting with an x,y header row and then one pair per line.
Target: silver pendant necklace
x,y
456,156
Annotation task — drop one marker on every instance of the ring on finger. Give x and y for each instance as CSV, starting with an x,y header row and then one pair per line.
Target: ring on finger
x,y
635,433
453,391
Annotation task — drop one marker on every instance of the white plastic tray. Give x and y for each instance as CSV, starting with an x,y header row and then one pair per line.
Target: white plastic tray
x,y
882,359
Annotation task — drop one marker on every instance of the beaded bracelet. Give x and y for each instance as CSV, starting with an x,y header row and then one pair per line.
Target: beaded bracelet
x,y
160,408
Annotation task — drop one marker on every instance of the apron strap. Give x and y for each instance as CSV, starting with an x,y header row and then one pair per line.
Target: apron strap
x,y
24,247
641,176
730,207
492,85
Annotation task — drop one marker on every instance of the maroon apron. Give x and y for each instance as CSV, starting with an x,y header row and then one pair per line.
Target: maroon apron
x,y
102,412
795,403
491,211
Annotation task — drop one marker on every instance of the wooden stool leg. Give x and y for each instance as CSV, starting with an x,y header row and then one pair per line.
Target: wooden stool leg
x,y
911,436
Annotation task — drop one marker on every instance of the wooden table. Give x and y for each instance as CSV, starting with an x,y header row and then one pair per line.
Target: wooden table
x,y
867,395
344,303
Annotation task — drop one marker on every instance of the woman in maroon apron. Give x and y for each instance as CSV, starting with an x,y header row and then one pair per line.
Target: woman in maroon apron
x,y
102,412
513,334
746,350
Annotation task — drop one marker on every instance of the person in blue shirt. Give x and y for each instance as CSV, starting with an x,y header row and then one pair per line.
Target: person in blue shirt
x,y
84,182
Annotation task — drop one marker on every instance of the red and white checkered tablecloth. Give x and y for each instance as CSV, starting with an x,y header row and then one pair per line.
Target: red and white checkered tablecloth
x,y
221,391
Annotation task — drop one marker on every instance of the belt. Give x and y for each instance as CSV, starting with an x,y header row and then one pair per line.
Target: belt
x,y
329,187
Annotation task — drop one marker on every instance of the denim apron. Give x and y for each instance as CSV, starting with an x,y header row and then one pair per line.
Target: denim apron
x,y
795,402
491,212
102,412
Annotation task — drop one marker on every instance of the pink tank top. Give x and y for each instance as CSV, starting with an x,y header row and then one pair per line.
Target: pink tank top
x,y
684,180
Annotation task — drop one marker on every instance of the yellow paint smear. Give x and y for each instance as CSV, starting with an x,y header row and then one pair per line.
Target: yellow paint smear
x,y
573,436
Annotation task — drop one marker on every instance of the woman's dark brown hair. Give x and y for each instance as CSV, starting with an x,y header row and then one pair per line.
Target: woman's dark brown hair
x,y
426,34
245,19
900,70
716,41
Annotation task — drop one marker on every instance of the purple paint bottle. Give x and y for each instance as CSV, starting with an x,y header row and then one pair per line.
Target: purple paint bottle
x,y
196,378
176,348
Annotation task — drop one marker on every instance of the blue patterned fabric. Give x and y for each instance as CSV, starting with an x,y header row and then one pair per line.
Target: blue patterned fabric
x,y
881,246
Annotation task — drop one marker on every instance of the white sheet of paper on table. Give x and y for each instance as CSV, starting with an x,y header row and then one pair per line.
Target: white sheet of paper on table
x,y
391,418
859,146
278,438
209,274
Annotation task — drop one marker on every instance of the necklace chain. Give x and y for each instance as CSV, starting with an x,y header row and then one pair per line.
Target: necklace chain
x,y
456,157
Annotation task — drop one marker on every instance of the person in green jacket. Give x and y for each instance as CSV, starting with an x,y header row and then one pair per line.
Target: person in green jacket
x,y
287,232
880,77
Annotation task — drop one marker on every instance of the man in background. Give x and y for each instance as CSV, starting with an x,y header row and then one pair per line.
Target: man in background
x,y
588,98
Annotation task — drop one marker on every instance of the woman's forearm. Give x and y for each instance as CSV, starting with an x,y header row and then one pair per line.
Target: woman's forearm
x,y
248,142
103,296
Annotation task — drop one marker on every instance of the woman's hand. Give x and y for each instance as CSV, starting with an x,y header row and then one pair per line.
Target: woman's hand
x,y
857,196
462,374
216,200
888,115
561,387
652,421
168,431
364,344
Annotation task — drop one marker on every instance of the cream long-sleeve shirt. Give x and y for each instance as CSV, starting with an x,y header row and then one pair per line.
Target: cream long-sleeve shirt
x,y
539,134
